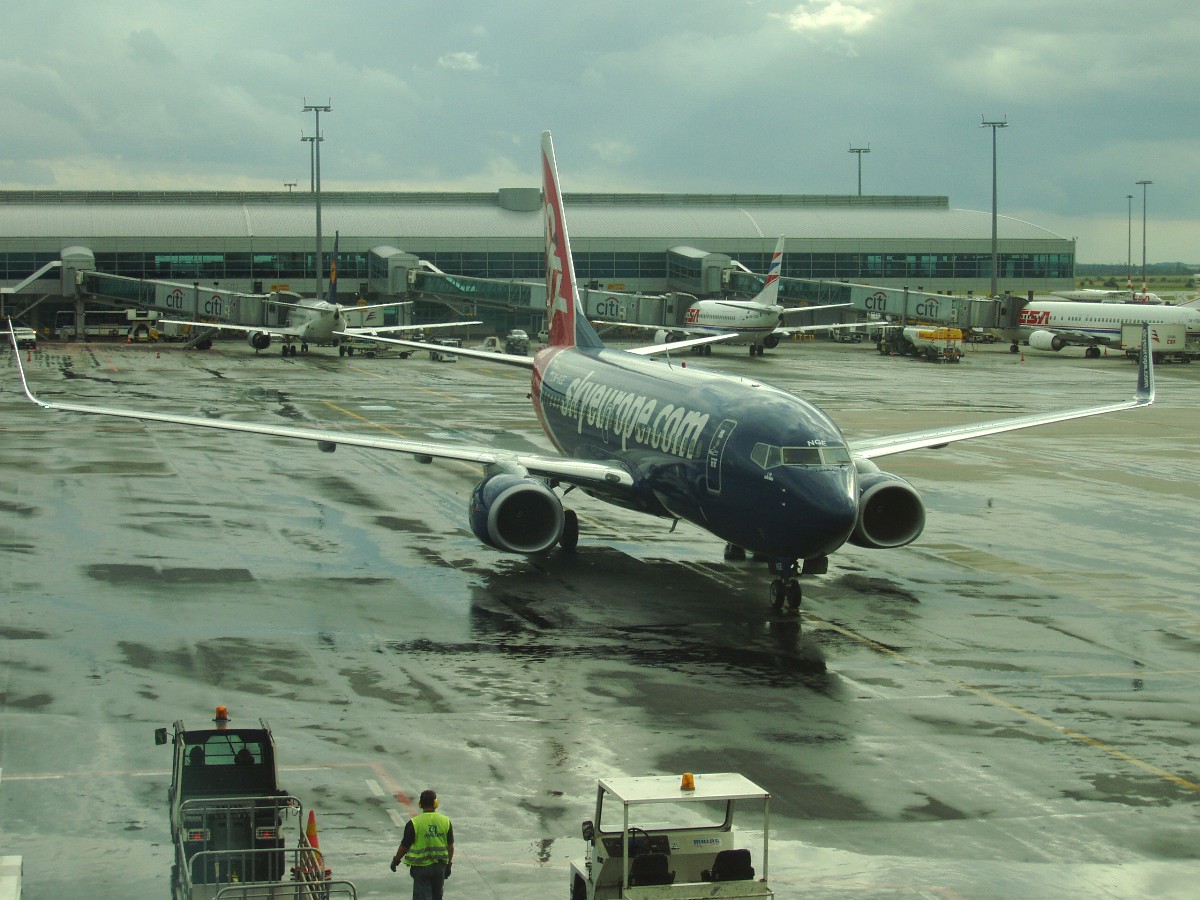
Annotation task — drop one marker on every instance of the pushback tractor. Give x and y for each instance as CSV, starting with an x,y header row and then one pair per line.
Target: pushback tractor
x,y
231,823
663,837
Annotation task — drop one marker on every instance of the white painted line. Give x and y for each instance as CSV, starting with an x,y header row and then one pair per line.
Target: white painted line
x,y
374,788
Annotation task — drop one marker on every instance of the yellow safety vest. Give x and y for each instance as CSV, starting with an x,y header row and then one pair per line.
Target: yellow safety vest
x,y
431,840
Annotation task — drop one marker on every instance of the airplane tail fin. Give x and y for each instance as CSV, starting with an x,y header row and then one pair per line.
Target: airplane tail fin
x,y
769,295
565,318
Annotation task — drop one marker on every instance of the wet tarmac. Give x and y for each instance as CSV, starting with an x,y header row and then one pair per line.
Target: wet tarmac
x,y
1005,708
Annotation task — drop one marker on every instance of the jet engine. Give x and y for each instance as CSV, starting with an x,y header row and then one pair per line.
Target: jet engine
x,y
259,340
662,336
516,513
1046,340
771,341
890,512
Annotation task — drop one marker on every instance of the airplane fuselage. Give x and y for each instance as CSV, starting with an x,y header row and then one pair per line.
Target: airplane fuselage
x,y
749,322
1102,322
756,466
317,320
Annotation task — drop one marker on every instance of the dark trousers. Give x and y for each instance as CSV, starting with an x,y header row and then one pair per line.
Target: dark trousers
x,y
427,881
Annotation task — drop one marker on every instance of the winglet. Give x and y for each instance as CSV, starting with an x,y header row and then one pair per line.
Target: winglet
x,y
12,336
1145,387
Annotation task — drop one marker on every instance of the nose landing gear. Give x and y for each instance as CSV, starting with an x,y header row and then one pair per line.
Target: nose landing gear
x,y
785,587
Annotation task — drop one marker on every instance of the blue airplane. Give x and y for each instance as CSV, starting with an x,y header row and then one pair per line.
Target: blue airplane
x,y
762,469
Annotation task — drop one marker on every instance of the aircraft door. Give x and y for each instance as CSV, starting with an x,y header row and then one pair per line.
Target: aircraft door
x,y
716,455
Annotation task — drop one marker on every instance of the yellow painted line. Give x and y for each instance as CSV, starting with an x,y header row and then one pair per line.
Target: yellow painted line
x,y
1019,710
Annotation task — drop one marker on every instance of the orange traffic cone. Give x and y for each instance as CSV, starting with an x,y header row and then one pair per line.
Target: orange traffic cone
x,y
311,831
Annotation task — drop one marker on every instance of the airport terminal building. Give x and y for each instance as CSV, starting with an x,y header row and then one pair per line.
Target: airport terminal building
x,y
258,242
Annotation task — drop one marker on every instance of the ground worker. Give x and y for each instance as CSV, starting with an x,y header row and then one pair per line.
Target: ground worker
x,y
427,848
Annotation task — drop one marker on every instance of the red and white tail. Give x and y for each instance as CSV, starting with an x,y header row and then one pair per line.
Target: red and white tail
x,y
769,295
565,318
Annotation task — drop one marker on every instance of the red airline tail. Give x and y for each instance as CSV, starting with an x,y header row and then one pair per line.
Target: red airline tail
x,y
565,318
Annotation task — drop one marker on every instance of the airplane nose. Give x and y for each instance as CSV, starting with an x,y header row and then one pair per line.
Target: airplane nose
x,y
825,512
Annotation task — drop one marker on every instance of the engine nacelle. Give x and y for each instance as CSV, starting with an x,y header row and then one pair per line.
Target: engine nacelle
x,y
771,341
662,336
1046,340
890,512
259,340
516,513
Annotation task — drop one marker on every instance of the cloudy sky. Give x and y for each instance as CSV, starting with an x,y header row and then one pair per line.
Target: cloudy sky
x,y
708,96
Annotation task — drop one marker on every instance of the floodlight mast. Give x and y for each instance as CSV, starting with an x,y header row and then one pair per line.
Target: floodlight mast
x,y
860,151
1144,185
995,256
316,140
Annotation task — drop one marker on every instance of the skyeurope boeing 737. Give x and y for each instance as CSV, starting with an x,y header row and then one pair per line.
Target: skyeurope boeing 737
x,y
759,468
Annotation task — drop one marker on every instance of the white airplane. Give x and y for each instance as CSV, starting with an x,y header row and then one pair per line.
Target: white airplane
x,y
757,322
1053,324
760,468
316,321
1093,295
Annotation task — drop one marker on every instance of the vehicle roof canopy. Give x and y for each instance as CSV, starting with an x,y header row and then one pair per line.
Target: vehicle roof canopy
x,y
666,788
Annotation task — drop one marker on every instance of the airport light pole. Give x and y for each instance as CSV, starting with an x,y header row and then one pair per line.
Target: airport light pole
x,y
995,255
1144,184
316,183
860,151
1129,245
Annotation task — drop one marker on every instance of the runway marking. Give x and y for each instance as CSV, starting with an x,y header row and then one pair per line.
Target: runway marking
x,y
1018,710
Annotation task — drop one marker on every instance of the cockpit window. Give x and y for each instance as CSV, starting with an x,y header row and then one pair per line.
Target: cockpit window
x,y
768,456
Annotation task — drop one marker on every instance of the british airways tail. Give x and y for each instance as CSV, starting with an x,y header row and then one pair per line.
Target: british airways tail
x,y
565,318
769,295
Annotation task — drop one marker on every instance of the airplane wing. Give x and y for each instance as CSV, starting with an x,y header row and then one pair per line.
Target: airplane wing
x,y
655,349
871,448
699,336
609,476
1085,337
799,329
509,359
282,331
794,310
370,330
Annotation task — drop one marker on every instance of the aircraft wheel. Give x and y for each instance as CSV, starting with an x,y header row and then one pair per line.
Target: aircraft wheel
x,y
793,595
341,350
569,539
303,348
778,594
1013,348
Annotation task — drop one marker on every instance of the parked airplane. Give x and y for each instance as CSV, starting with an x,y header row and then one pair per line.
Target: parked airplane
x,y
1053,324
764,470
312,320
757,322
1093,295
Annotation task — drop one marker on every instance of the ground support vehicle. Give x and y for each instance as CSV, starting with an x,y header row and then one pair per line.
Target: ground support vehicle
x,y
371,349
231,822
438,349
632,853
846,335
1169,342
516,342
935,343
26,337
